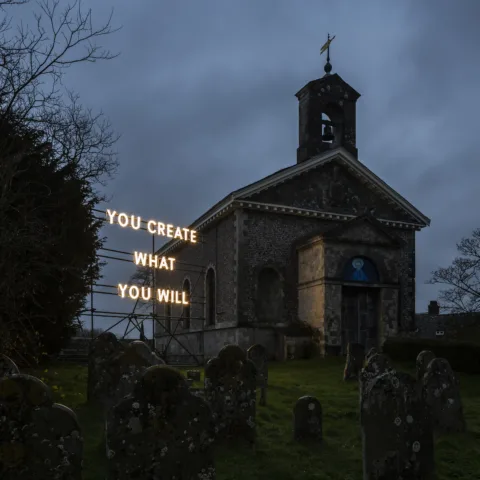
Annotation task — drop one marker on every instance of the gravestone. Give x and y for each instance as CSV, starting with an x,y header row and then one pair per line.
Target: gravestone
x,y
397,433
7,367
373,351
145,351
376,365
194,375
354,362
161,431
423,359
230,390
39,439
307,419
443,397
101,353
258,355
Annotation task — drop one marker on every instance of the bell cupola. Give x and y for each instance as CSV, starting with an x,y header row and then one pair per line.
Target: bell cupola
x,y
327,114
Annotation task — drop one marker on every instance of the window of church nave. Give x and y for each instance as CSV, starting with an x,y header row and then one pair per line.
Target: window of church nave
x,y
210,297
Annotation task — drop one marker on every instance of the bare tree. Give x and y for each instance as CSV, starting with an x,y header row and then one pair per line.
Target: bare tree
x,y
462,278
33,62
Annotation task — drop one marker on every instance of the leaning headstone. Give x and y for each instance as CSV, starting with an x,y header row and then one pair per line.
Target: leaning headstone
x,y
161,431
38,438
7,367
423,359
230,390
101,353
354,362
258,355
307,419
397,431
443,397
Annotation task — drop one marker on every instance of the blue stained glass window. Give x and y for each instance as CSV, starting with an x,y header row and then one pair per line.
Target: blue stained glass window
x,y
360,269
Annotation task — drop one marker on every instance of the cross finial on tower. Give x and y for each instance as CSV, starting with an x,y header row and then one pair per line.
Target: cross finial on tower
x,y
326,46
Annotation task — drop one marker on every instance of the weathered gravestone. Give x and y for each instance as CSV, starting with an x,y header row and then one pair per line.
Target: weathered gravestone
x,y
230,390
194,375
102,350
397,433
354,362
373,351
258,355
443,397
7,367
115,369
161,431
423,359
376,365
307,419
39,439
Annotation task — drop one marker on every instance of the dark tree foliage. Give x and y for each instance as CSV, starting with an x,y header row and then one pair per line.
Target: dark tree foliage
x,y
48,244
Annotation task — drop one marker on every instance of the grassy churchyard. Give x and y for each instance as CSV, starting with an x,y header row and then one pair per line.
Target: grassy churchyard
x,y
277,456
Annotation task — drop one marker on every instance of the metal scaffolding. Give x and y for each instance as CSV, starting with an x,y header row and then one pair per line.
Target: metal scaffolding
x,y
135,321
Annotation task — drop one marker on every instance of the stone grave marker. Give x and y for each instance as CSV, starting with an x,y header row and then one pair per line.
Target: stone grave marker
x,y
194,375
39,439
230,390
161,431
376,365
7,367
354,361
307,419
258,355
423,359
443,397
397,431
373,351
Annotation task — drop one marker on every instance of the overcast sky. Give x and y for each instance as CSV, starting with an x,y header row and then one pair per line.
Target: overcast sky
x,y
203,95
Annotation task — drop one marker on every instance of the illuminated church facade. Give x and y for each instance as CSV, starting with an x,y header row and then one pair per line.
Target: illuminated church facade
x,y
323,248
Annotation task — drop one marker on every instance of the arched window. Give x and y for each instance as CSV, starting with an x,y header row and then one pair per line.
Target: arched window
x,y
186,308
210,300
168,317
361,269
269,301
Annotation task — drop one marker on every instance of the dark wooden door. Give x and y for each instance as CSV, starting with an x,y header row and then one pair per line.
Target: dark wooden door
x,y
359,317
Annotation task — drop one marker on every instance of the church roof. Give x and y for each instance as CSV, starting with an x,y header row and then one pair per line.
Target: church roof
x,y
287,173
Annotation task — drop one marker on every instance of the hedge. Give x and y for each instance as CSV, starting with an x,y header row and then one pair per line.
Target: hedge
x,y
462,356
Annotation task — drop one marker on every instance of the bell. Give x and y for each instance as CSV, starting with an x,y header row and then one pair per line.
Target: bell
x,y
327,134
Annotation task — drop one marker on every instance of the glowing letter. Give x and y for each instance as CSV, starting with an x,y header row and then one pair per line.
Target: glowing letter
x,y
170,231
184,298
185,232
133,292
132,221
122,219
161,228
151,226
140,258
122,289
177,297
178,233
171,260
193,236
163,263
148,295
111,215
163,295
153,259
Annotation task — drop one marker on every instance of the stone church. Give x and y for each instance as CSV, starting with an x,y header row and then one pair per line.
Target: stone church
x,y
322,248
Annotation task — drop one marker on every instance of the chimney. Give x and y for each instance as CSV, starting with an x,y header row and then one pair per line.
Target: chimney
x,y
433,308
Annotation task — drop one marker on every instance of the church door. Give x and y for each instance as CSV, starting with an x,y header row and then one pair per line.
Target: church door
x,y
359,317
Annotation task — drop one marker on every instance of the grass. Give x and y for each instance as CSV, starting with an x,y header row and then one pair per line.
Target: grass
x,y
277,455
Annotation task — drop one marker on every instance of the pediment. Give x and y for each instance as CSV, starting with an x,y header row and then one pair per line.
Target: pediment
x,y
364,229
336,184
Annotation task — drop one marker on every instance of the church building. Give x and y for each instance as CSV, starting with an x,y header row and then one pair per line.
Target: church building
x,y
322,249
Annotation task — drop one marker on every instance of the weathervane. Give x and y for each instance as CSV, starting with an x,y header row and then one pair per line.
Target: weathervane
x,y
326,46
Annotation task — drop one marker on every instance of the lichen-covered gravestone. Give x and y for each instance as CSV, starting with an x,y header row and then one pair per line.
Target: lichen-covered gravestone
x,y
376,365
354,362
397,431
230,390
307,419
258,355
423,359
443,397
101,353
39,439
161,431
7,367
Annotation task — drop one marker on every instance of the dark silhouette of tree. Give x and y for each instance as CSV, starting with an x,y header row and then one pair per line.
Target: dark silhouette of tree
x,y
462,277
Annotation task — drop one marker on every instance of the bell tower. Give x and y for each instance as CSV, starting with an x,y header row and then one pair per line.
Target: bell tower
x,y
327,114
